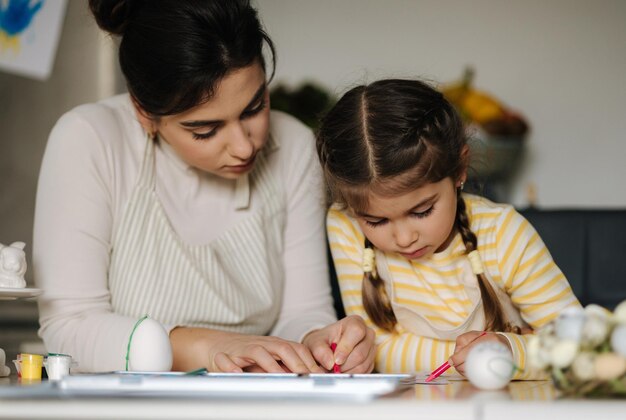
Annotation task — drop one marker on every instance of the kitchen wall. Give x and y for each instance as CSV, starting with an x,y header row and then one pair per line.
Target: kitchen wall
x,y
562,63
85,70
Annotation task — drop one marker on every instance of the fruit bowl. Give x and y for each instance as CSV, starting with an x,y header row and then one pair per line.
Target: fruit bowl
x,y
494,158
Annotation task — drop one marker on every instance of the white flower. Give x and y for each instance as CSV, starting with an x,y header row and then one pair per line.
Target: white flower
x,y
547,342
618,340
595,330
569,325
534,352
573,311
609,366
583,366
619,315
546,330
563,353
596,310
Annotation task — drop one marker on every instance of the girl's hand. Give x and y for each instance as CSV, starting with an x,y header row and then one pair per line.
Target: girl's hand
x,y
220,351
466,341
355,350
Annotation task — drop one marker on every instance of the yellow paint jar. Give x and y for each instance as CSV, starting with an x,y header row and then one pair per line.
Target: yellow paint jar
x,y
31,365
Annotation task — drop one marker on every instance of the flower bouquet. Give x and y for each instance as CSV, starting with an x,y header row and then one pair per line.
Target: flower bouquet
x,y
584,351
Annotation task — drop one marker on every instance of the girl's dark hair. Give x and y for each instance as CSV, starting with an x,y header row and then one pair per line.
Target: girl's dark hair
x,y
173,53
391,137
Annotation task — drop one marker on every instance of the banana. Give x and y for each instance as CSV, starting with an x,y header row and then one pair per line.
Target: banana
x,y
483,109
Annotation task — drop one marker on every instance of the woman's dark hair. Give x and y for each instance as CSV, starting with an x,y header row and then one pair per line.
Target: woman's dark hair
x,y
174,52
391,137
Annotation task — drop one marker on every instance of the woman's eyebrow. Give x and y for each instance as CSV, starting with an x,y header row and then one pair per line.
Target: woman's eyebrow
x,y
204,123
425,201
258,95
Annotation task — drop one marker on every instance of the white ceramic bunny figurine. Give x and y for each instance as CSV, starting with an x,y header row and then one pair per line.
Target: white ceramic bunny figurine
x,y
4,370
12,265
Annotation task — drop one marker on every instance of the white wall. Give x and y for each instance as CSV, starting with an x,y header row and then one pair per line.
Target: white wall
x,y
562,63
85,70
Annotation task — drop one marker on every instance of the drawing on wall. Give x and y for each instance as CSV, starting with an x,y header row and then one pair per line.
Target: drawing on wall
x,y
29,36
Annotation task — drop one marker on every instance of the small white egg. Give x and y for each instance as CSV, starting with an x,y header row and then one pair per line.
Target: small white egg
x,y
533,349
150,348
609,366
618,340
489,365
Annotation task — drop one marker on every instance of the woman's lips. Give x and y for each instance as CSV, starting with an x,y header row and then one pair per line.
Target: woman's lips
x,y
415,254
241,168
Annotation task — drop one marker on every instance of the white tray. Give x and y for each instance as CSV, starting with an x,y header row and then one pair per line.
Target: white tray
x,y
9,293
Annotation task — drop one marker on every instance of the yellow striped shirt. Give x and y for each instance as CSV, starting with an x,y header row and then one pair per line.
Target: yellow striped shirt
x,y
514,257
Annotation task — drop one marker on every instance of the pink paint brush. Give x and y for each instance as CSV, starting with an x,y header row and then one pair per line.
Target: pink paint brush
x,y
441,369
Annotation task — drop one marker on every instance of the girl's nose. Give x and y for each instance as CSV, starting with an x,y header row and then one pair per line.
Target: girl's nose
x,y
405,236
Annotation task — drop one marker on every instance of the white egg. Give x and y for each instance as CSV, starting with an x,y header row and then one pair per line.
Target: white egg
x,y
618,340
489,365
150,348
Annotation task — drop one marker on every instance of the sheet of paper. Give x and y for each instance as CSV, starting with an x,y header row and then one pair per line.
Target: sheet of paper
x,y
235,385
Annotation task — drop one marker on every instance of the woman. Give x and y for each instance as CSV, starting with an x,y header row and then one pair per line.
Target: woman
x,y
187,200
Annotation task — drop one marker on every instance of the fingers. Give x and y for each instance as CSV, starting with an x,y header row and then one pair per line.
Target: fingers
x,y
361,359
297,358
467,338
354,350
308,359
322,353
223,363
266,354
353,332
464,343
266,357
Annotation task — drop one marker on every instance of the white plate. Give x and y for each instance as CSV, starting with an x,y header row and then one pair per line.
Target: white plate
x,y
7,293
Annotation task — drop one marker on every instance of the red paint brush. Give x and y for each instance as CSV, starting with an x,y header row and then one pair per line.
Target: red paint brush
x,y
336,367
441,369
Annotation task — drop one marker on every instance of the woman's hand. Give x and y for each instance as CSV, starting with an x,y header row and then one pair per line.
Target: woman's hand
x,y
220,351
356,349
466,341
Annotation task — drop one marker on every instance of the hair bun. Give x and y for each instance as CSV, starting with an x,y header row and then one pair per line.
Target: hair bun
x,y
113,16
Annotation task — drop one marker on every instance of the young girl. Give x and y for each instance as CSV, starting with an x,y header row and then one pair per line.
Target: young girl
x,y
189,201
429,266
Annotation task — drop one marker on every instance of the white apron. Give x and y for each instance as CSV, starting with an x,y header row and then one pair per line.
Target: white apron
x,y
234,283
417,324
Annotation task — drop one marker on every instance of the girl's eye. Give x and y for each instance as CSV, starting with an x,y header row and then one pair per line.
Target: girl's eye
x,y
424,213
377,223
252,112
203,136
